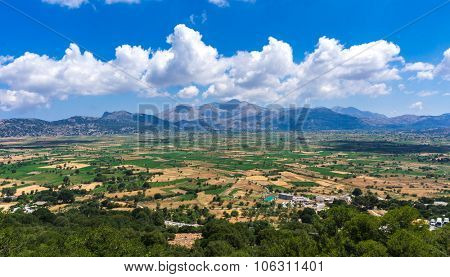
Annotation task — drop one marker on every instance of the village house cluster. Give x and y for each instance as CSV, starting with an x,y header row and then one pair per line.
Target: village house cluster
x,y
318,203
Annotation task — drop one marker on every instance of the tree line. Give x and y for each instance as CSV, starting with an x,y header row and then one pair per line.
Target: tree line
x,y
342,230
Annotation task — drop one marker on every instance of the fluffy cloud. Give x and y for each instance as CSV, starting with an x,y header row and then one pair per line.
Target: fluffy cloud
x,y
226,3
219,3
329,71
417,106
5,59
11,100
270,74
188,92
443,68
77,73
427,71
257,74
122,1
425,75
132,59
72,4
419,66
424,71
67,3
361,69
189,60
266,75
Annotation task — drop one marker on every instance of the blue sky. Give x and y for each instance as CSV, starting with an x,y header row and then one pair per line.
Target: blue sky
x,y
407,74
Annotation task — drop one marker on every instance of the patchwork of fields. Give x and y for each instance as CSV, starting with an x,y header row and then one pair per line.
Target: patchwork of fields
x,y
233,175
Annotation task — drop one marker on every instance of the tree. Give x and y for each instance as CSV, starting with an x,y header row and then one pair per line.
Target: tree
x,y
371,248
287,243
66,180
307,215
404,243
145,216
10,242
363,227
44,215
66,196
337,216
400,218
237,235
106,241
154,237
357,192
218,248
9,191
366,202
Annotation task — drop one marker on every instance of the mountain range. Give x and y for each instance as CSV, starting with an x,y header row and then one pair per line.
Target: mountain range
x,y
233,115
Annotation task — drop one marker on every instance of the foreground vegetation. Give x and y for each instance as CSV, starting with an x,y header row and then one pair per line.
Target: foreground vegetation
x,y
341,230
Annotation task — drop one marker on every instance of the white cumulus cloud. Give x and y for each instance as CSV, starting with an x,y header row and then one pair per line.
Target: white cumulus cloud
x,y
424,71
264,76
226,3
417,106
73,4
67,3
418,66
11,100
219,3
189,60
188,92
5,59
122,1
427,71
443,68
331,70
77,73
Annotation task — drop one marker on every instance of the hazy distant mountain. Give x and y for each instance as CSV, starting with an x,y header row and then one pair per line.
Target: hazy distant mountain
x,y
326,119
411,122
419,122
358,113
109,124
122,116
232,115
212,111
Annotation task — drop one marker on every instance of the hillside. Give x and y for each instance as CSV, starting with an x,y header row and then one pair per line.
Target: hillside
x,y
232,115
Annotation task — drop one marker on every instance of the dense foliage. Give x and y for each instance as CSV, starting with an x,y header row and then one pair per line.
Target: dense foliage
x,y
339,231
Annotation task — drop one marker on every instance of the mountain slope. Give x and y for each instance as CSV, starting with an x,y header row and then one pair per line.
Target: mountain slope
x,y
358,113
108,124
232,115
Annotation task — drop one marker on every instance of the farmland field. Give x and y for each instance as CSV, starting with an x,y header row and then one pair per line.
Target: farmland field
x,y
240,178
